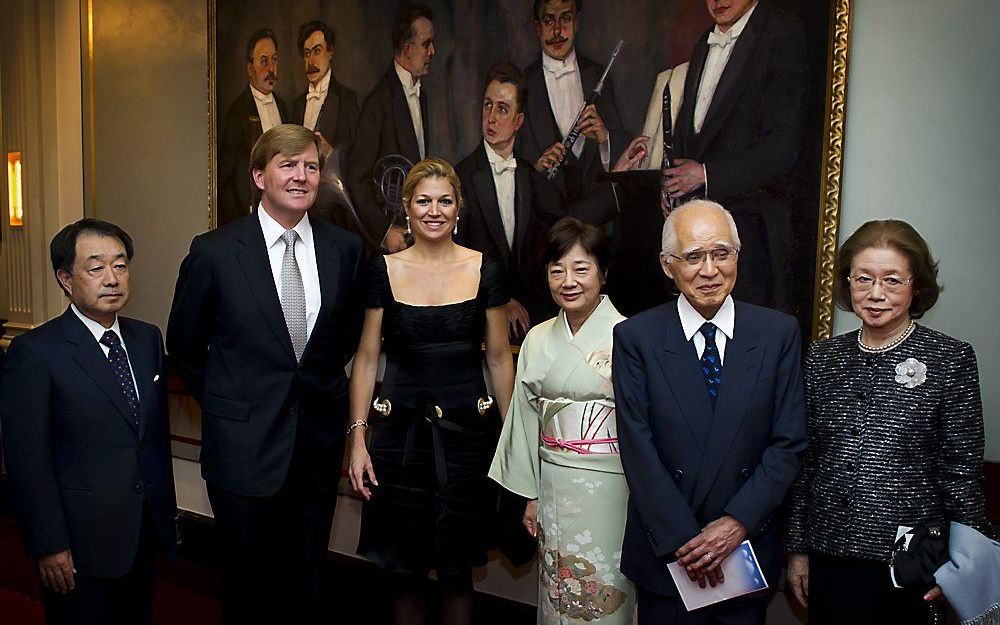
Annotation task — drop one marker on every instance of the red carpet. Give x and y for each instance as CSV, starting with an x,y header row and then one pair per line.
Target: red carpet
x,y
185,592
16,609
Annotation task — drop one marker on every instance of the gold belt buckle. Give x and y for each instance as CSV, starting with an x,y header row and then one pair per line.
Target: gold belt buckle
x,y
484,404
383,407
437,413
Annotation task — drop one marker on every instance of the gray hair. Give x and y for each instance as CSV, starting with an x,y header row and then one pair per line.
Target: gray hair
x,y
669,240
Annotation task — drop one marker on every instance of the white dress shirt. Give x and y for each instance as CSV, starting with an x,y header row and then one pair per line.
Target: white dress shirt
x,y
305,257
98,331
691,322
503,178
267,109
315,97
412,92
565,88
715,64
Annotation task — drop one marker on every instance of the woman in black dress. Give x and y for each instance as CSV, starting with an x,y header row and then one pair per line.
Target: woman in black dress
x,y
428,501
895,435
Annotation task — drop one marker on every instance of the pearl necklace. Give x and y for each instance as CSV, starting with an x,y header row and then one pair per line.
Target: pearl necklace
x,y
902,336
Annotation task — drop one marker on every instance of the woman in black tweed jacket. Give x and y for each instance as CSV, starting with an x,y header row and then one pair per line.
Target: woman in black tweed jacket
x,y
895,434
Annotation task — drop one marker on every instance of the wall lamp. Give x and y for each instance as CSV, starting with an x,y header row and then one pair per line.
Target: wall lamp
x,y
15,197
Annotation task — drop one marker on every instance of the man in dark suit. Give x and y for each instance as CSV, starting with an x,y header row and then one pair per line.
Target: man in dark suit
x,y
266,314
393,121
498,217
86,436
326,106
711,423
738,135
558,85
329,109
252,112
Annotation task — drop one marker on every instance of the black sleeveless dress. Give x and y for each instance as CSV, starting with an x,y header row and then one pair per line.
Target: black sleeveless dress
x,y
434,505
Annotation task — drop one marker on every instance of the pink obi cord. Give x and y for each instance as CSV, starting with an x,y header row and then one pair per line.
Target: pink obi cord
x,y
579,446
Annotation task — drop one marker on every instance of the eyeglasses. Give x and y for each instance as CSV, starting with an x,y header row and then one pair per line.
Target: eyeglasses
x,y
890,284
720,256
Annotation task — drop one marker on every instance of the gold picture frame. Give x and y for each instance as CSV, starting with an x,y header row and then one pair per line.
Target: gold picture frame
x,y
834,119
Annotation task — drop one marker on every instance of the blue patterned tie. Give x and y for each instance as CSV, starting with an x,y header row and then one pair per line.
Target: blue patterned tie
x,y
711,363
119,363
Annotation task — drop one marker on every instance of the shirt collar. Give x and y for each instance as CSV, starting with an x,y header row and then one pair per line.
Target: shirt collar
x,y
691,319
493,157
736,29
566,66
95,328
273,230
406,79
323,84
260,97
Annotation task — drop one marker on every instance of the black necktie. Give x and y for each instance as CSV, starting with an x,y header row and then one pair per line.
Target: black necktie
x,y
119,363
711,363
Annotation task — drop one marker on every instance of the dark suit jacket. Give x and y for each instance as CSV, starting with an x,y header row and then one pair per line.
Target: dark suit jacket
x,y
750,142
687,465
481,228
337,121
228,337
338,118
540,129
80,469
240,131
385,128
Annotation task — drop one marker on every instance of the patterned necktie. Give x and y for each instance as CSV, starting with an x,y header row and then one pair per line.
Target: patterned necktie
x,y
293,295
119,363
711,363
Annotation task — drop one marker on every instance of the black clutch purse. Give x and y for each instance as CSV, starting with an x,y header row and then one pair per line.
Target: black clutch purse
x,y
918,554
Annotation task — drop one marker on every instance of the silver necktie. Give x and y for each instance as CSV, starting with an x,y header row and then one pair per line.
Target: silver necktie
x,y
293,295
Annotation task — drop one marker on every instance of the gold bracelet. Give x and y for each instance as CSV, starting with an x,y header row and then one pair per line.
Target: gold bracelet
x,y
357,424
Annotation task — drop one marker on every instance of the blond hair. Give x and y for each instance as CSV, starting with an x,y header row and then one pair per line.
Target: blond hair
x,y
431,167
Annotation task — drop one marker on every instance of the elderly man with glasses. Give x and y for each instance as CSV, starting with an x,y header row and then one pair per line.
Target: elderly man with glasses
x,y
711,424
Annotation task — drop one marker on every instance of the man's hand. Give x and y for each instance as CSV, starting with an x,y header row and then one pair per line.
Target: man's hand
x,y
324,146
395,240
684,177
530,518
798,577
592,126
634,155
57,571
518,321
706,551
550,157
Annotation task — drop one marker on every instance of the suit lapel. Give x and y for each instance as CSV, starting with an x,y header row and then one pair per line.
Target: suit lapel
x,y
254,127
328,266
257,271
406,137
682,373
739,376
543,120
486,194
685,117
328,112
590,73
522,203
733,76
91,358
139,358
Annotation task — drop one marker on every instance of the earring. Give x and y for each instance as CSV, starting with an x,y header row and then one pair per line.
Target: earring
x,y
455,231
408,231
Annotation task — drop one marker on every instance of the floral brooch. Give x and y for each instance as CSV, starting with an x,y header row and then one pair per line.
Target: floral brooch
x,y
911,372
601,362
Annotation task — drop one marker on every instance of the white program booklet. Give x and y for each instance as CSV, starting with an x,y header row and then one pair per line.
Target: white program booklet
x,y
742,576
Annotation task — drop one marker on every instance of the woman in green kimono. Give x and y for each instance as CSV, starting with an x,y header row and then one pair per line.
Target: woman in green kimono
x,y
559,445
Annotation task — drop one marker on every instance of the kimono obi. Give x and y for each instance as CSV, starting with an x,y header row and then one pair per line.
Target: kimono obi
x,y
582,427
